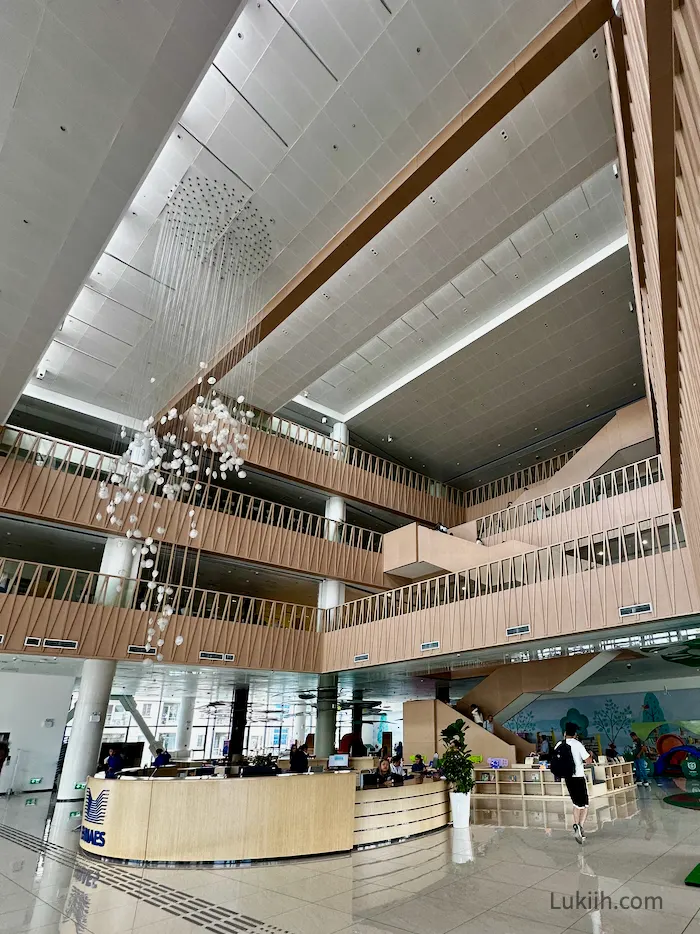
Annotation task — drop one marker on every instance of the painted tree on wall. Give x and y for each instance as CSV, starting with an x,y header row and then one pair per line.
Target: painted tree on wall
x,y
611,719
523,722
652,712
573,715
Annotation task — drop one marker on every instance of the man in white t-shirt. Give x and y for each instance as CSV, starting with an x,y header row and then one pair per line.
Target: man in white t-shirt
x,y
576,784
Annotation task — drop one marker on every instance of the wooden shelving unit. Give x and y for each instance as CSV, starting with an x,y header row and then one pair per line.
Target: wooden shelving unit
x,y
534,782
551,812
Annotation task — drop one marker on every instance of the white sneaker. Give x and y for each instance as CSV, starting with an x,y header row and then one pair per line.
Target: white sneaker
x,y
578,834
646,784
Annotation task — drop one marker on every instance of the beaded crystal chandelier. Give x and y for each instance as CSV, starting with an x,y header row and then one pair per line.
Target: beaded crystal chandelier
x,y
210,248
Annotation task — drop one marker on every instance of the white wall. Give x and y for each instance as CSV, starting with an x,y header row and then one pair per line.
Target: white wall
x,y
26,701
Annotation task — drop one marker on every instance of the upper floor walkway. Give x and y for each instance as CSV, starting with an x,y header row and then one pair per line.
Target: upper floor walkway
x,y
582,587
48,479
291,450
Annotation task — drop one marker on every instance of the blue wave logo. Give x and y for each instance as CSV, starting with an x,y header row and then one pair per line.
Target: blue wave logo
x,y
96,808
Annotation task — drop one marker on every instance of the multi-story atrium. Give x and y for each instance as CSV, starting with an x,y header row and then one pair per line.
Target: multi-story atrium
x,y
349,436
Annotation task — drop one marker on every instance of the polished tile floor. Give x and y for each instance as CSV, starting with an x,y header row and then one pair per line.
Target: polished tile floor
x,y
516,872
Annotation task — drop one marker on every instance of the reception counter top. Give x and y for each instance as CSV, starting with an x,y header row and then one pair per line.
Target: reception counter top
x,y
189,820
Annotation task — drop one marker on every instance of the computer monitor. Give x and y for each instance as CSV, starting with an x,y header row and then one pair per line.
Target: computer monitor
x,y
338,762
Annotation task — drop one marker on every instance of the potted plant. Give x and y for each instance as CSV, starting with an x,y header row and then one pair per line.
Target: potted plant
x,y
457,768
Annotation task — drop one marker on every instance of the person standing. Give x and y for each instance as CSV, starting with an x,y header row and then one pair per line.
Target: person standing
x,y
162,758
640,763
476,714
488,724
544,747
566,762
299,760
114,763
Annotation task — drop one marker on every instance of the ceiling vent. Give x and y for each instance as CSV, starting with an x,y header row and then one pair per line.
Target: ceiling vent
x,y
362,657
60,644
2,638
427,646
216,657
635,609
141,650
517,630
32,641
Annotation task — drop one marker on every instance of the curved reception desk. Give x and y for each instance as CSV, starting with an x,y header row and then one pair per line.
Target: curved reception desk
x,y
193,820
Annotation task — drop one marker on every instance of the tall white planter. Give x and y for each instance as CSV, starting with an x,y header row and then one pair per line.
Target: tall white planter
x,y
460,806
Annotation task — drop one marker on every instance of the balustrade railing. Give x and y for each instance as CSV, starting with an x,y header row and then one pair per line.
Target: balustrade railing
x,y
614,483
75,460
355,457
520,480
643,539
50,582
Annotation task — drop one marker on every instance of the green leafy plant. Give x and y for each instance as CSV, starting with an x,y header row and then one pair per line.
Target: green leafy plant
x,y
264,760
455,764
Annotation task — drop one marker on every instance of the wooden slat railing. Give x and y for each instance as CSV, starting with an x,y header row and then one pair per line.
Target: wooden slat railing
x,y
633,477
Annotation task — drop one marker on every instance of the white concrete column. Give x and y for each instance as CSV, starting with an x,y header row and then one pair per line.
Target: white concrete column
x,y
87,727
183,729
331,593
326,710
300,725
340,432
118,561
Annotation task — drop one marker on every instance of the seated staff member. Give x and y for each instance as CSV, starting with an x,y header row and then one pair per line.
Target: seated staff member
x,y
418,766
384,774
397,766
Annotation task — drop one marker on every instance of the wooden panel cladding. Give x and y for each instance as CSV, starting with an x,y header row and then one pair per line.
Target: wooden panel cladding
x,y
290,450
609,500
657,67
576,23
53,480
575,587
46,602
370,478
643,63
385,814
225,820
686,29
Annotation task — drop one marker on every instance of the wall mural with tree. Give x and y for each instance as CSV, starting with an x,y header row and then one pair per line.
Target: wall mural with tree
x,y
611,717
523,722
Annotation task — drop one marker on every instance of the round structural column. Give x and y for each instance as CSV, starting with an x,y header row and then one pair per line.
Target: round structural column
x,y
326,709
87,727
300,725
118,562
183,728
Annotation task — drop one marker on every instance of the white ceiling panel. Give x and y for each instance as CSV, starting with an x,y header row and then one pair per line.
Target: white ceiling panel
x,y
316,105
88,93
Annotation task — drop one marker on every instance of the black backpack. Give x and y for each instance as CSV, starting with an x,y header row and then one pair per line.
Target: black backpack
x,y
561,761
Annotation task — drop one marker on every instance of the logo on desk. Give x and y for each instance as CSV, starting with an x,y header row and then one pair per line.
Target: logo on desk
x,y
92,837
96,808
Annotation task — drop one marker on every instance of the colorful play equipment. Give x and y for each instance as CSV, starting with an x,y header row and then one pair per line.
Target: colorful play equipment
x,y
671,760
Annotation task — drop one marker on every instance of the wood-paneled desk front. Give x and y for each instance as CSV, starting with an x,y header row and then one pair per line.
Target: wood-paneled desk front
x,y
189,820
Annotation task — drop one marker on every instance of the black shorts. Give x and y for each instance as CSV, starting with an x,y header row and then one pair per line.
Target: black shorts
x,y
578,791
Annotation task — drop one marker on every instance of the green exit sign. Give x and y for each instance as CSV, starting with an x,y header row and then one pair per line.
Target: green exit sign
x,y
31,802
80,786
75,814
35,781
